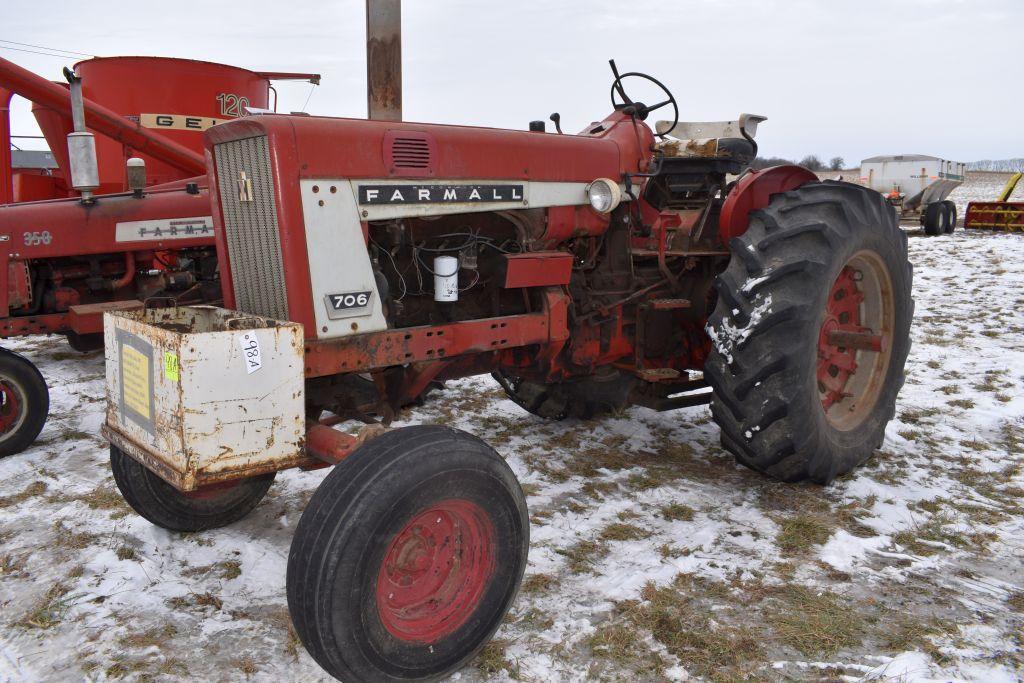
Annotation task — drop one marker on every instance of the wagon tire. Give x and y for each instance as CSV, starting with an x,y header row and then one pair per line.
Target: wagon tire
x,y
934,219
587,398
950,216
167,507
822,260
408,556
24,403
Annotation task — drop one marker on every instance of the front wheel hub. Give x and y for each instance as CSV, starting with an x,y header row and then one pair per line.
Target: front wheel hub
x,y
11,404
854,340
435,571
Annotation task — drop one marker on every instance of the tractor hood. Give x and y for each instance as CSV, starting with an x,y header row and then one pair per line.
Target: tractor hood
x,y
356,148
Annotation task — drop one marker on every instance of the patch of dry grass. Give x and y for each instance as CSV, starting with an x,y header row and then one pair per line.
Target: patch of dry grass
x,y
816,623
36,488
493,659
50,609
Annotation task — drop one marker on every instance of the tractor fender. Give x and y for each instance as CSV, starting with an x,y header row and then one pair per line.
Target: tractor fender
x,y
753,191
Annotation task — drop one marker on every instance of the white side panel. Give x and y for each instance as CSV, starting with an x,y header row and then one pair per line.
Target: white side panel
x,y
339,262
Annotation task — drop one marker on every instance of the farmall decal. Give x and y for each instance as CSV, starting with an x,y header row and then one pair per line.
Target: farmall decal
x,y
439,194
165,229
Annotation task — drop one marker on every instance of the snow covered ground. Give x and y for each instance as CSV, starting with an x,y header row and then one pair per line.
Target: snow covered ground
x,y
654,556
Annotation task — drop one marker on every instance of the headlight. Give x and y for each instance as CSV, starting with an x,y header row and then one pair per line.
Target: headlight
x,y
604,195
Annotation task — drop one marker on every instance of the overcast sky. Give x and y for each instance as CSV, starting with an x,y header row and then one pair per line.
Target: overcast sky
x,y
834,77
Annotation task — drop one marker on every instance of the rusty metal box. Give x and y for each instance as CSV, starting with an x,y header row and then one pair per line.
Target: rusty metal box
x,y
201,394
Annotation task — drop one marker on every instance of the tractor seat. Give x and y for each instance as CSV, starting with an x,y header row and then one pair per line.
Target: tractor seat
x,y
710,140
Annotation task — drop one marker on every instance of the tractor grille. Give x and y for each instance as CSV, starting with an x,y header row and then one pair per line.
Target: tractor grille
x,y
250,227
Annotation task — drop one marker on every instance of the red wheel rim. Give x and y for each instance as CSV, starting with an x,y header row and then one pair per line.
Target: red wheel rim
x,y
836,364
853,343
10,407
435,571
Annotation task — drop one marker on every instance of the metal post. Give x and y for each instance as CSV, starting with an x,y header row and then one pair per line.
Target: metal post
x,y
384,59
6,172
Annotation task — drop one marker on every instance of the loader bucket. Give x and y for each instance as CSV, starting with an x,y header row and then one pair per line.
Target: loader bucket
x,y
1007,216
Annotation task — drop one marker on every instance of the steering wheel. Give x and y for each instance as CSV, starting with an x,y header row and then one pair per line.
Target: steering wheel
x,y
639,109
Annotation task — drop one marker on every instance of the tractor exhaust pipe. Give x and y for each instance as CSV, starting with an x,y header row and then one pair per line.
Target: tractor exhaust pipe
x,y
85,169
384,60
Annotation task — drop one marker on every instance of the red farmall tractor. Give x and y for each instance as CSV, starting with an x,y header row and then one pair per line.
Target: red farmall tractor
x,y
117,218
621,265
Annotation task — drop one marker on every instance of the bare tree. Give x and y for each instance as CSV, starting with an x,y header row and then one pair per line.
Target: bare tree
x,y
812,162
836,164
765,162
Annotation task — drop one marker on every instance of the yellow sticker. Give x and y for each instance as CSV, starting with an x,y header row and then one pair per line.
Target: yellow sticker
x,y
171,366
135,371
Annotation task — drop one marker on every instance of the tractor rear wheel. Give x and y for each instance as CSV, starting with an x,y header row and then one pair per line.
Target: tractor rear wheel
x,y
24,402
811,332
605,392
408,556
950,216
206,508
934,219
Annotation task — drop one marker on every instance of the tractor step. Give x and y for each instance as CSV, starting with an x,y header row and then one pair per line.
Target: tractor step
x,y
657,374
669,304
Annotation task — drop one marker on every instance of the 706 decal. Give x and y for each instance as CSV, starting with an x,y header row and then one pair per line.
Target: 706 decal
x,y
343,302
347,304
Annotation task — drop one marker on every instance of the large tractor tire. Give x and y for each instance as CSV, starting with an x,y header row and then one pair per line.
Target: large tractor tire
x,y
408,556
24,403
935,219
950,216
587,398
811,332
167,507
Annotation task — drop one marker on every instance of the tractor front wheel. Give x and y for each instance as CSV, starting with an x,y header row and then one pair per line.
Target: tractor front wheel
x,y
811,332
408,556
207,508
24,403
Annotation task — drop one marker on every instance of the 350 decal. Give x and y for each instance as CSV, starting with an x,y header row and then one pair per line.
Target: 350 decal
x,y
37,237
232,105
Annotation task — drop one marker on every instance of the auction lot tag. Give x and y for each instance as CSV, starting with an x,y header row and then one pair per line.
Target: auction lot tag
x,y
171,369
250,351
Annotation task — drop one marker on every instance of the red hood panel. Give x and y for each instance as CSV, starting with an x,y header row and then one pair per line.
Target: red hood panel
x,y
357,148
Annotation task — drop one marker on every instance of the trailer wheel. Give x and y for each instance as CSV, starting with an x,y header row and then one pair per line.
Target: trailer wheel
x,y
24,403
811,332
950,208
167,507
934,219
590,397
408,556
